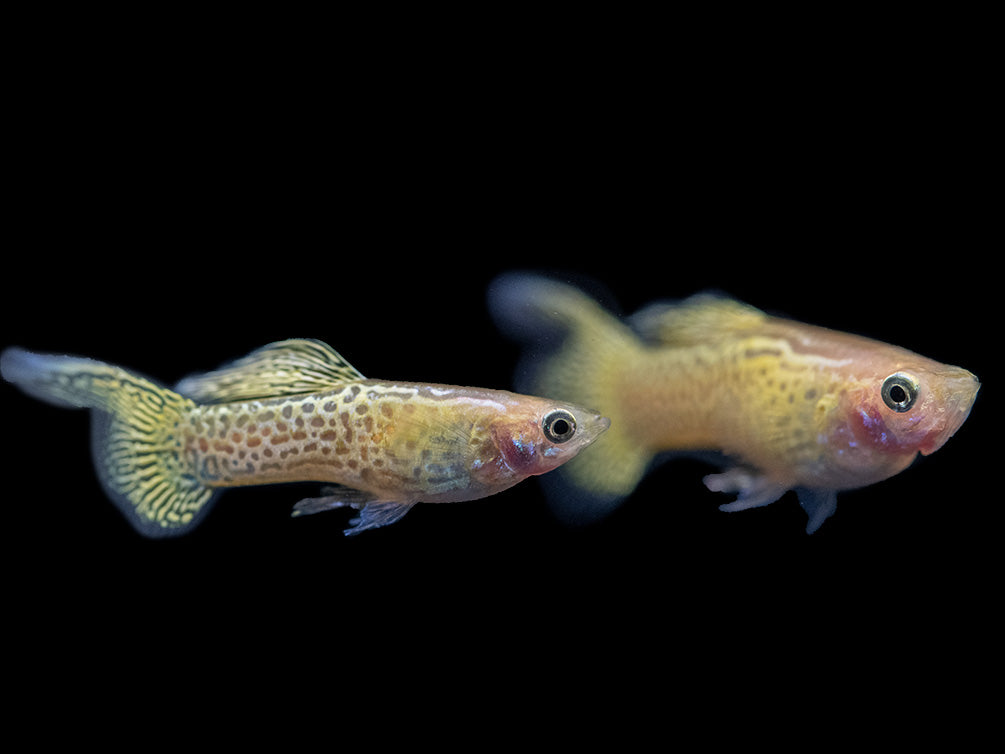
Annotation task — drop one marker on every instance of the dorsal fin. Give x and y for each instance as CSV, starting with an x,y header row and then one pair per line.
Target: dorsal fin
x,y
695,320
288,367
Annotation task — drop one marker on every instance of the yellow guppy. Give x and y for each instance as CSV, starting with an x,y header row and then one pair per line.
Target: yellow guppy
x,y
793,406
297,411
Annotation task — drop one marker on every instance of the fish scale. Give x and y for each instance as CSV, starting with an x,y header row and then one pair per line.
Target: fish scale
x,y
358,434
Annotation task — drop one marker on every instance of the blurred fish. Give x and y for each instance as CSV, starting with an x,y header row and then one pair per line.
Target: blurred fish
x,y
297,411
795,407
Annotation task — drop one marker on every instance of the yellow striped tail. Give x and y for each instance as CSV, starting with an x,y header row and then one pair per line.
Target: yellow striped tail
x,y
136,438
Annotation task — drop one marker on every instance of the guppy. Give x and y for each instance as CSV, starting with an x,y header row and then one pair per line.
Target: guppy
x,y
793,406
297,411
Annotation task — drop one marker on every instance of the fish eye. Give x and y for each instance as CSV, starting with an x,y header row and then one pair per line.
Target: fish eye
x,y
559,425
900,391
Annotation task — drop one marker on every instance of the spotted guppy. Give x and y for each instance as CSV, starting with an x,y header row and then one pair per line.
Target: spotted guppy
x,y
790,405
297,411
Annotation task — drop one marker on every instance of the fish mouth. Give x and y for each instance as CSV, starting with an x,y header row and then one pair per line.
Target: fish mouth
x,y
597,426
962,391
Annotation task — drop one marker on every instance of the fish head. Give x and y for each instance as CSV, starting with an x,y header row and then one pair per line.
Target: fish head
x,y
950,394
907,406
541,435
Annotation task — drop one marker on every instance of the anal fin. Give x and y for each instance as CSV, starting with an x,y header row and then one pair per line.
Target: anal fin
x,y
373,513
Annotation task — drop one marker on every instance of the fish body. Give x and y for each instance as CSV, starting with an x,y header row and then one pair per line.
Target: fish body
x,y
297,411
421,442
794,406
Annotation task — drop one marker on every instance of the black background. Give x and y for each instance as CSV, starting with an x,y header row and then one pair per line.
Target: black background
x,y
168,222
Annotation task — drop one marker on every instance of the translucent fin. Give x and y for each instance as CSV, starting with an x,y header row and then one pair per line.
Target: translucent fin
x,y
137,450
577,349
288,367
373,513
819,506
754,490
695,320
333,496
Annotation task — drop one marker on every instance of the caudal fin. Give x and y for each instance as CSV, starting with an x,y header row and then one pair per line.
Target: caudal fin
x,y
576,351
136,443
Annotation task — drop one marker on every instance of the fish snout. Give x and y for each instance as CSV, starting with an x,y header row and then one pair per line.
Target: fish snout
x,y
959,391
596,425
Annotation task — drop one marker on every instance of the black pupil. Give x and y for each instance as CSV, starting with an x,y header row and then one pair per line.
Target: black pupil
x,y
898,394
560,427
